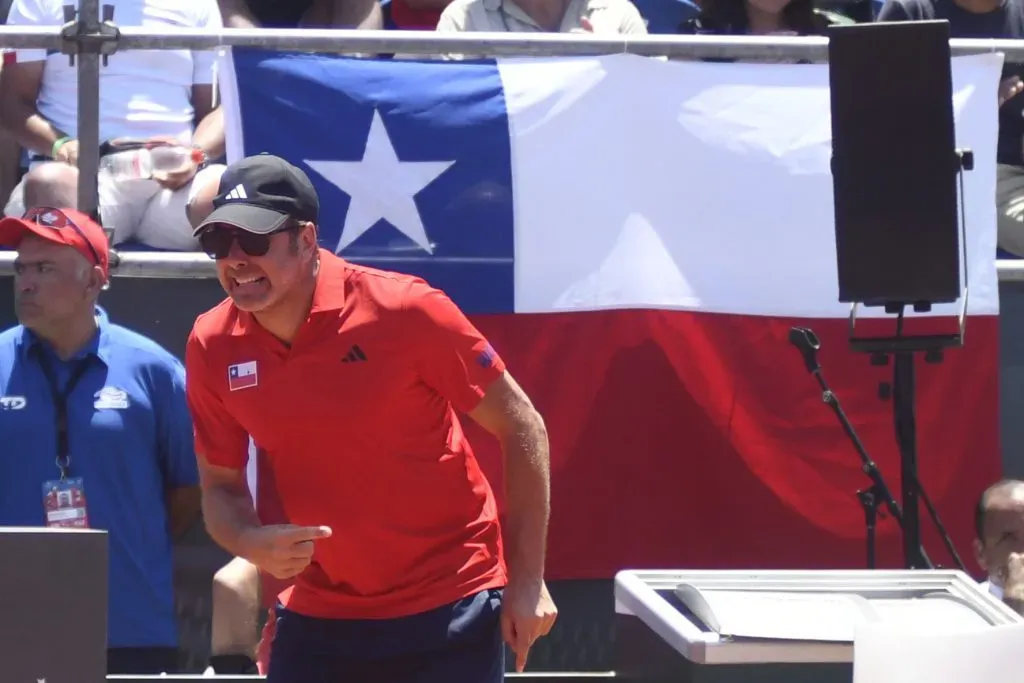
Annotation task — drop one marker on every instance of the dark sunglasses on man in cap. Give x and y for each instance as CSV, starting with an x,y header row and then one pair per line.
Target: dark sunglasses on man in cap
x,y
49,217
216,240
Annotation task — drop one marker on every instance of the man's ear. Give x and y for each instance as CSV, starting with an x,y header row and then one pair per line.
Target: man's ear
x,y
97,281
308,238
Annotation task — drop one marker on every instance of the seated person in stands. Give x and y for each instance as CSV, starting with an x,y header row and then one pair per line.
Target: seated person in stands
x,y
604,17
154,95
999,547
988,19
760,17
10,152
364,14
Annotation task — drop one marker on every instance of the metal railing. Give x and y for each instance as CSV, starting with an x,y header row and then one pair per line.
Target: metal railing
x,y
88,40
192,265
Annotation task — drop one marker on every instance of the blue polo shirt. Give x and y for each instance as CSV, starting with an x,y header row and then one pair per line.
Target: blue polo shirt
x,y
130,439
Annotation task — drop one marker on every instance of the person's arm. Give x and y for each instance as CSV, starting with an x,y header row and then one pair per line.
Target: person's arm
x,y
209,132
506,412
461,366
453,19
632,23
236,14
222,452
176,450
21,80
1013,590
456,360
209,135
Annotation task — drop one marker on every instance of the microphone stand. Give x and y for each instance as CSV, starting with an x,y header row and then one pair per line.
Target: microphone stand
x,y
878,493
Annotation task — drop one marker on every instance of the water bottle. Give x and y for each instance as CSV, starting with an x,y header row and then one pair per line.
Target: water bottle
x,y
149,162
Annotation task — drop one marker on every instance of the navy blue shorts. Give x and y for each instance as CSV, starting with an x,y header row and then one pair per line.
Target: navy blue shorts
x,y
457,643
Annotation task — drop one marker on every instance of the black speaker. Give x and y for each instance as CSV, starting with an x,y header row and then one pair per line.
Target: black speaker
x,y
894,163
53,588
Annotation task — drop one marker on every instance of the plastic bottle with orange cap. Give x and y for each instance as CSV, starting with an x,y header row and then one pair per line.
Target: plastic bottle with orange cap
x,y
149,162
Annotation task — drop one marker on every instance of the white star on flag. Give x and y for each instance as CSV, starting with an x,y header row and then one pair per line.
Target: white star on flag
x,y
381,186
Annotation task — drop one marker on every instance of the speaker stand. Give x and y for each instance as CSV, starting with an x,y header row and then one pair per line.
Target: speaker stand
x,y
902,392
903,388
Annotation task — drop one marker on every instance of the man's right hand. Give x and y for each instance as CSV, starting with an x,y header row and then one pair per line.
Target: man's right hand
x,y
1010,88
68,153
282,550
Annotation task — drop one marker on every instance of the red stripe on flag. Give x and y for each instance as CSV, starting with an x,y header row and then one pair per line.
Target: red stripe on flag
x,y
688,440
10,57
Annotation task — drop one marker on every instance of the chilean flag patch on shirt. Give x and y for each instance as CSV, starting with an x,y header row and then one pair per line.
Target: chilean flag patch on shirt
x,y
242,376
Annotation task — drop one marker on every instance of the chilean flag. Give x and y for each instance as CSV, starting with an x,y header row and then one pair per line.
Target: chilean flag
x,y
636,237
242,376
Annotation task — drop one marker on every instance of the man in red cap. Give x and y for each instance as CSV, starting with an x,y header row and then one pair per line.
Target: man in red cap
x,y
96,429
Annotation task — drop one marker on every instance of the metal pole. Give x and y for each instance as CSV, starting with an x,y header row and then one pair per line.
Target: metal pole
x,y
476,44
903,408
88,112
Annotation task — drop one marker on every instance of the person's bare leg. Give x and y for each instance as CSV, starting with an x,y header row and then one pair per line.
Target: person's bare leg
x,y
235,622
51,184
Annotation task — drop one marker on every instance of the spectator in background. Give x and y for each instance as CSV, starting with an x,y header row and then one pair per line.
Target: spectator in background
x,y
154,95
10,152
759,17
363,14
988,19
124,461
603,17
999,547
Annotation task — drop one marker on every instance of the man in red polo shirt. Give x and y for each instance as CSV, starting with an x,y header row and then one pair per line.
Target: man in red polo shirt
x,y
350,379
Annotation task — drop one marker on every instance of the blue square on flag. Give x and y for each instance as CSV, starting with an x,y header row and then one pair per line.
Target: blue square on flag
x,y
411,160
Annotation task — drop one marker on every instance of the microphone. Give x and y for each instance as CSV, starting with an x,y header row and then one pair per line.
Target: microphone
x,y
806,342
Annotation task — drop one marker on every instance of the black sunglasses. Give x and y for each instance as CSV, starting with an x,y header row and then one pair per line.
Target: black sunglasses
x,y
216,240
56,219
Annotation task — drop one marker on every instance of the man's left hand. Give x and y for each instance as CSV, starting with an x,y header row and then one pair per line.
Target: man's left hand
x,y
178,179
1013,575
527,613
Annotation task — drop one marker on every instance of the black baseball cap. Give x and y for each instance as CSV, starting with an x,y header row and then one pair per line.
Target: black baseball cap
x,y
259,193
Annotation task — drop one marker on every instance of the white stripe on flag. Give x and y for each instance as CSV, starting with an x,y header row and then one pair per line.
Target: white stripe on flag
x,y
710,191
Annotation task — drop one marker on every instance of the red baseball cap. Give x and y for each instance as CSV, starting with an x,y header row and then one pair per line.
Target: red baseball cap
x,y
60,226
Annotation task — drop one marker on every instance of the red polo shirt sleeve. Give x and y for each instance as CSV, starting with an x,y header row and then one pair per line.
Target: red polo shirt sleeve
x,y
220,440
452,356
